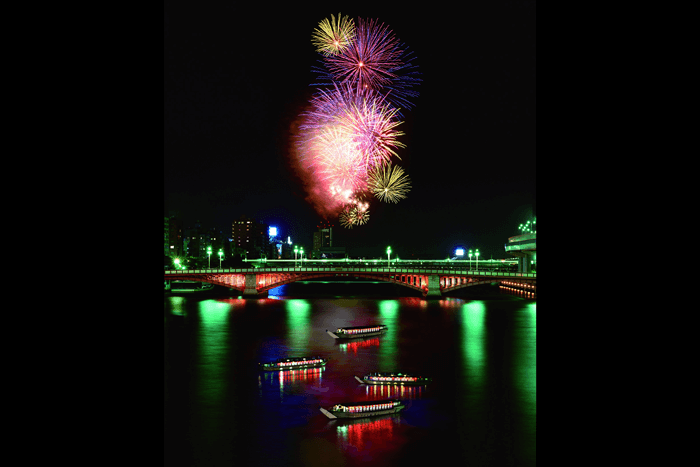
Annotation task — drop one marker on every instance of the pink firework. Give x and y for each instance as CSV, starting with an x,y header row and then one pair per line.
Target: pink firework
x,y
337,160
360,117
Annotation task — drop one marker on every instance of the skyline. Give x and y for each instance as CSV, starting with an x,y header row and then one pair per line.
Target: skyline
x,y
235,86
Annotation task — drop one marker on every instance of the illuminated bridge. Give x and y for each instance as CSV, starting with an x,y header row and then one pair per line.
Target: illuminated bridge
x,y
432,280
525,248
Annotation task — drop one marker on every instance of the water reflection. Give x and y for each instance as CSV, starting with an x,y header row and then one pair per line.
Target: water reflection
x,y
388,315
413,301
234,302
449,302
385,391
213,359
473,340
176,305
298,325
290,378
366,436
513,288
220,411
526,359
355,344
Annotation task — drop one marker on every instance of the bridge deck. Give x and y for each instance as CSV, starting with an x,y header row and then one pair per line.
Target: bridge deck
x,y
350,270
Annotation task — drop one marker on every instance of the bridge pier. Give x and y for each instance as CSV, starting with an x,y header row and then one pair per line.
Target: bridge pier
x,y
524,264
251,287
433,287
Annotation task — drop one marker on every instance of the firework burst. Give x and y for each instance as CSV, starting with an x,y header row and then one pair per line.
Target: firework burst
x,y
348,136
334,36
374,60
338,161
346,219
389,183
360,213
361,117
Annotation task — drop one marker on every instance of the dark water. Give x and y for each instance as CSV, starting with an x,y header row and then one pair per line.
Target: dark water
x,y
479,348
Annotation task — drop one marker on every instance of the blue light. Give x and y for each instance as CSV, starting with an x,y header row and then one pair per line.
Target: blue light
x,y
273,231
459,251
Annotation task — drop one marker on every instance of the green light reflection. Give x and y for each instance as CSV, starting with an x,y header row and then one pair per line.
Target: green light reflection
x,y
473,315
388,315
176,307
298,326
526,371
213,349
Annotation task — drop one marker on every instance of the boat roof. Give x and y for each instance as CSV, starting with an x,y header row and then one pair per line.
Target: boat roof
x,y
355,404
296,359
364,327
412,375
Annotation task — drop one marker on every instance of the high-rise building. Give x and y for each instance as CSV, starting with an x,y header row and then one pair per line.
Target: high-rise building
x,y
249,236
323,243
172,246
323,238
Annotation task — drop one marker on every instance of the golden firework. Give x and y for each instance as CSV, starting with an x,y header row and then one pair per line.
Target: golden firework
x,y
346,220
389,183
334,36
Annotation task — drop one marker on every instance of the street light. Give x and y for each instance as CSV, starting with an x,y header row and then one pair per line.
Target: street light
x,y
209,255
470,260
477,259
388,256
221,253
177,263
296,249
301,252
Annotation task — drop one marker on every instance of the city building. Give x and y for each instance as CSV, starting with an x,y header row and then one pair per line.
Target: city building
x,y
249,237
172,245
323,243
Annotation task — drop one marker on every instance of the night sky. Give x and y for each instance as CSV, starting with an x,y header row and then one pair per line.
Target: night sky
x,y
236,76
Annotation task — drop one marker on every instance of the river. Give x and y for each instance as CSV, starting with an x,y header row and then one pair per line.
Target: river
x,y
479,346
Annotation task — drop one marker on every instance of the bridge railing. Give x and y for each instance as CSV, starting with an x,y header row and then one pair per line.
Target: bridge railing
x,y
443,271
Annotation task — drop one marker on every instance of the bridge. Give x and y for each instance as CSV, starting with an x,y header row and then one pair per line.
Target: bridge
x,y
432,280
525,248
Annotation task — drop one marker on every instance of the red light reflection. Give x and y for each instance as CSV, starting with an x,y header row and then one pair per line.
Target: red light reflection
x,y
362,434
306,375
391,391
293,376
353,346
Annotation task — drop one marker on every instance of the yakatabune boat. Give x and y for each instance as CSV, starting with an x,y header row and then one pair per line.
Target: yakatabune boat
x,y
393,378
358,331
363,409
294,363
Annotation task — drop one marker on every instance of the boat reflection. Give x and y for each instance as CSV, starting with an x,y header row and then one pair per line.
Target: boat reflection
x,y
367,433
355,345
306,375
392,391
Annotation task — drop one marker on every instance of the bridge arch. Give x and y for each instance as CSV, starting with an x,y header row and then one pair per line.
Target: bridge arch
x,y
430,282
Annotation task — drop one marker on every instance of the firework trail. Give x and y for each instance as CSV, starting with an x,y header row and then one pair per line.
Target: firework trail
x,y
334,36
389,184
